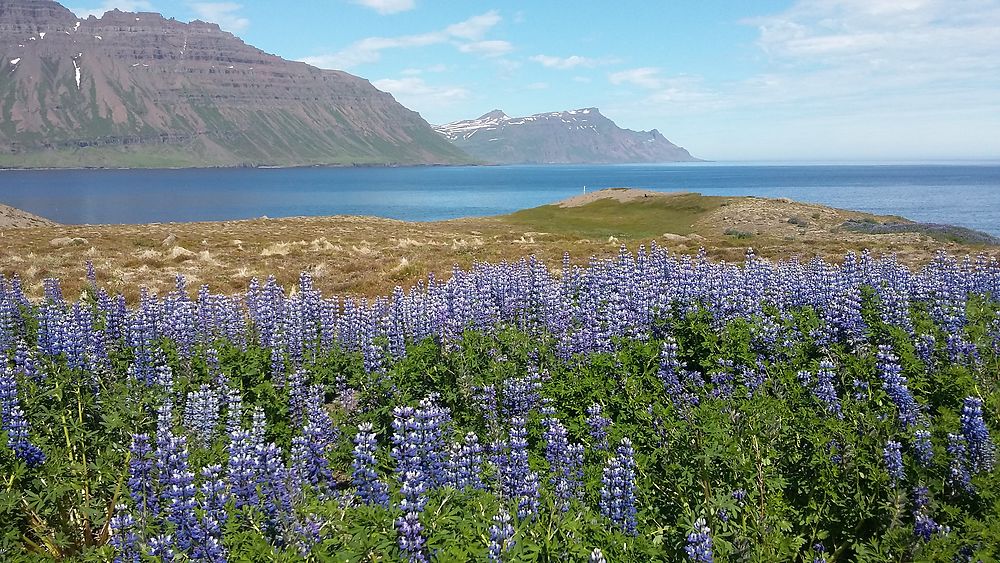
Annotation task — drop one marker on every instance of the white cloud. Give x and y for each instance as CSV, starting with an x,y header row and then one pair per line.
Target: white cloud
x,y
467,35
226,14
109,5
491,48
414,92
644,77
475,27
386,7
570,62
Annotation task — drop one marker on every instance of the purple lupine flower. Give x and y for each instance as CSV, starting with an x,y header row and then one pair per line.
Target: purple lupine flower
x,y
242,469
370,489
433,421
598,426
25,362
234,410
521,482
520,394
894,384
465,463
825,391
501,534
309,451
177,481
820,550
982,452
14,422
958,471
699,543
207,537
124,538
486,396
142,479
925,349
893,457
201,415
618,488
418,441
670,371
411,539
923,446
274,489
162,548
861,390
924,526
565,462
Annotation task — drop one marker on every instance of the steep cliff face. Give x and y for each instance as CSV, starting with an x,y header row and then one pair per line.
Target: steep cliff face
x,y
581,136
136,89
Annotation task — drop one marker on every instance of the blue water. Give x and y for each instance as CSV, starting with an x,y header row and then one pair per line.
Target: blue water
x,y
959,194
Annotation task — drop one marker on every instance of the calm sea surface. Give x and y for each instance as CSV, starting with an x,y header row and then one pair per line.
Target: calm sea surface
x,y
959,194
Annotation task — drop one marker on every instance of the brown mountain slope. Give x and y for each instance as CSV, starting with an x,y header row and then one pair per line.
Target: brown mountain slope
x,y
135,89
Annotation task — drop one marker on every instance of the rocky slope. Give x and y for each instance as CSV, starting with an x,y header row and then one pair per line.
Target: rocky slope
x,y
582,136
14,218
136,89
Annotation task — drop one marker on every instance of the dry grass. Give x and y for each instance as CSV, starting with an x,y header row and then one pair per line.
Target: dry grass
x,y
368,256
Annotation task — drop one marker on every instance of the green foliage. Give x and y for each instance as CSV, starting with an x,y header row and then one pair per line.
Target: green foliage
x,y
809,477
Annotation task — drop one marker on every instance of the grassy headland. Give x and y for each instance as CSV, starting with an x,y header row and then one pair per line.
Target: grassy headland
x,y
369,255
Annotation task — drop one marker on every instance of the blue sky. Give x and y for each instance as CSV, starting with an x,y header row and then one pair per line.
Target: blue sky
x,y
762,80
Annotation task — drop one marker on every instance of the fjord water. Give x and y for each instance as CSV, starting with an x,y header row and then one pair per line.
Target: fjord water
x,y
958,194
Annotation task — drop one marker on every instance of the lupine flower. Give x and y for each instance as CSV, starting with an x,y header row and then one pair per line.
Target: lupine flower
x,y
958,471
894,384
521,482
618,488
201,415
177,482
501,534
924,527
207,536
124,539
370,489
893,457
141,478
465,463
982,453
925,449
411,540
825,390
699,543
565,462
820,551
13,421
310,465
242,469
597,556
598,426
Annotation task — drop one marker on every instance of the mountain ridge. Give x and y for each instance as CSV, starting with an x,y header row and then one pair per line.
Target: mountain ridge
x,y
134,89
579,136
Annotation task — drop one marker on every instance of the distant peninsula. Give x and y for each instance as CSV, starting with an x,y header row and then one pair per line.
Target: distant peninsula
x,y
141,91
580,136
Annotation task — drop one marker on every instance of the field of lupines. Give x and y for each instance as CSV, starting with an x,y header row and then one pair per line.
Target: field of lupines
x,y
648,408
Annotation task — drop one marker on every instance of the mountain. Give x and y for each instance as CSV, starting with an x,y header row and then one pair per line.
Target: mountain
x,y
136,89
581,136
